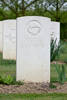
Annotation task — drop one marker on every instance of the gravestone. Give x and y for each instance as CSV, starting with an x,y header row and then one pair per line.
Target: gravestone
x,y
55,34
33,49
9,39
1,26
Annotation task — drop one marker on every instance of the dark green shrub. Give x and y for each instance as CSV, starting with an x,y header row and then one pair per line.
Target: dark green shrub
x,y
63,31
1,80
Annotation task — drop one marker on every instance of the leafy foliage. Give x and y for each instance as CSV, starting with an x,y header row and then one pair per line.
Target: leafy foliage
x,y
19,83
61,73
6,79
52,86
9,80
54,49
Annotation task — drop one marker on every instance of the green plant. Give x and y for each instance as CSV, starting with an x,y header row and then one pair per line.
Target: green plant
x,y
7,79
61,73
52,86
19,83
54,49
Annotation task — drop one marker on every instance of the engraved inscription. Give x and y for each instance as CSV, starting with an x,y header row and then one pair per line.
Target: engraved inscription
x,y
11,36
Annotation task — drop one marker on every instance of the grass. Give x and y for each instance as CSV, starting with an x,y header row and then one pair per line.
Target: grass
x,y
33,96
6,62
7,67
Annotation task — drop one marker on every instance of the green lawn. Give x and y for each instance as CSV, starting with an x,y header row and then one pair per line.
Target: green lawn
x,y
7,67
33,97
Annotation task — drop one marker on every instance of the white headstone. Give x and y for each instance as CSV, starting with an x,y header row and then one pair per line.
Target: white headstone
x,y
55,34
1,29
9,39
33,49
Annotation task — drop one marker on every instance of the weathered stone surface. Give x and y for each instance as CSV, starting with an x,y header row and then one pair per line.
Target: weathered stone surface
x,y
9,39
55,34
33,49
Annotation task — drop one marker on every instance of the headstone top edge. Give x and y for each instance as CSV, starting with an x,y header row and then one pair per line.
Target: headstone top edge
x,y
1,22
36,17
8,20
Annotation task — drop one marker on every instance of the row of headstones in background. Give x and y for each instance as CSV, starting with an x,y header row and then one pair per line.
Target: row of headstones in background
x,y
8,39
33,46
8,35
55,34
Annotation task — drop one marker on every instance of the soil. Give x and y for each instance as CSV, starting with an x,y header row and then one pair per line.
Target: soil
x,y
33,88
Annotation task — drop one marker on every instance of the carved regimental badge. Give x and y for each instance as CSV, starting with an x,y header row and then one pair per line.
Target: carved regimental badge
x,y
34,27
